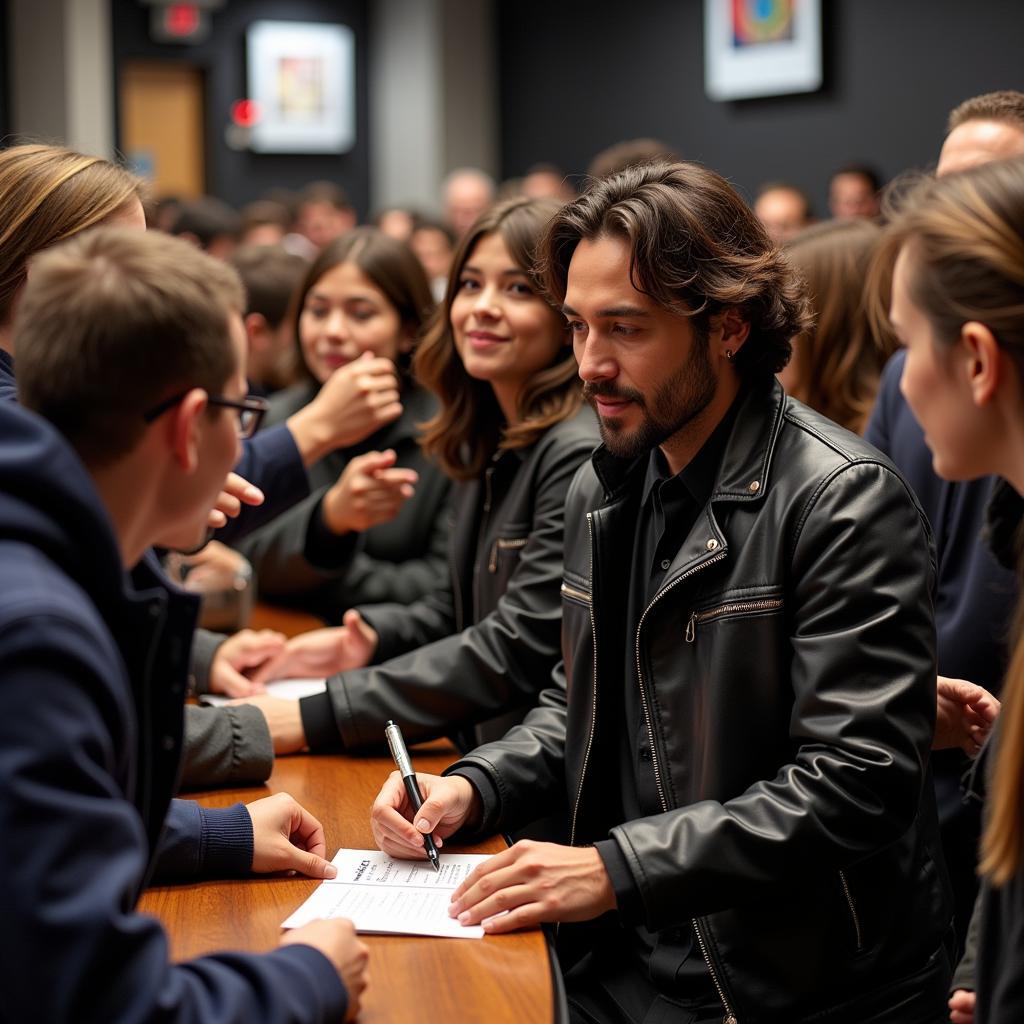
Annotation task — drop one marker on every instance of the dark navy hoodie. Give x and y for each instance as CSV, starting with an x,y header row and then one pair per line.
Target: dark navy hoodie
x,y
92,672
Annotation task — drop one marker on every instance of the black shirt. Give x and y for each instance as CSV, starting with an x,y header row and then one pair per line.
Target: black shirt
x,y
669,508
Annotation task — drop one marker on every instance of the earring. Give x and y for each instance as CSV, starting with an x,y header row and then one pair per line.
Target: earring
x,y
729,354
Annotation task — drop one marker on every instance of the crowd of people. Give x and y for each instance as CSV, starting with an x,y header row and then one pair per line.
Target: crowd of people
x,y
693,522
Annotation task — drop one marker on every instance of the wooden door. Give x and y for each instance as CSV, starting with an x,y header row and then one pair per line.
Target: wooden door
x,y
162,125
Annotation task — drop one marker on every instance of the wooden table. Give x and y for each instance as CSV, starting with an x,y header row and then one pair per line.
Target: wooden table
x,y
496,979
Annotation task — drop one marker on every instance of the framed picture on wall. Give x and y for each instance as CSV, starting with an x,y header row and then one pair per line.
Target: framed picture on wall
x,y
302,79
761,47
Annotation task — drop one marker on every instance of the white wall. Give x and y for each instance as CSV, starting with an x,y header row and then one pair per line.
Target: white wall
x,y
433,96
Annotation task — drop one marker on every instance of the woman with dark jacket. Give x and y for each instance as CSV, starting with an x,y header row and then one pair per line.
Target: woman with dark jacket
x,y
512,430
374,525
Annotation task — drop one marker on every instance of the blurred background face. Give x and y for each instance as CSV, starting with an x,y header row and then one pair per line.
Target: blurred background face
x,y
466,197
851,195
504,331
397,223
783,214
322,222
434,251
344,315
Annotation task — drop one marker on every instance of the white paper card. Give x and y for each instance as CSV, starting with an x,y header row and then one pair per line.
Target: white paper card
x,y
286,689
382,895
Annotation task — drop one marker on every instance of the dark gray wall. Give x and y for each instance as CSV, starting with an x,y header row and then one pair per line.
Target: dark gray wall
x,y
242,176
5,76
578,75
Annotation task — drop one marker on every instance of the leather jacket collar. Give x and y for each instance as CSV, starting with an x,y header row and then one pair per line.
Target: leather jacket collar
x,y
748,452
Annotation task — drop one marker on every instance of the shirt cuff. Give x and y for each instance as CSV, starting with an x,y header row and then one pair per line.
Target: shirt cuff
x,y
322,732
490,801
227,841
324,549
627,892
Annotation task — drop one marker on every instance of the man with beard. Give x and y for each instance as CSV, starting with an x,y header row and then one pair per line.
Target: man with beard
x,y
739,731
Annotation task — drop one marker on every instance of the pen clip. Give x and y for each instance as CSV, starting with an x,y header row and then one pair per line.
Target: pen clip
x,y
401,756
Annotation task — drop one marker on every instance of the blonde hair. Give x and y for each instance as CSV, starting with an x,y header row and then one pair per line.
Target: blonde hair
x,y
839,360
48,194
965,237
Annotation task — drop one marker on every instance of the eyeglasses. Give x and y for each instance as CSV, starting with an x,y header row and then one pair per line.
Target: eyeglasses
x,y
250,409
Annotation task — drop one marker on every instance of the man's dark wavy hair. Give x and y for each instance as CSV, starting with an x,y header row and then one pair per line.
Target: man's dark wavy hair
x,y
698,250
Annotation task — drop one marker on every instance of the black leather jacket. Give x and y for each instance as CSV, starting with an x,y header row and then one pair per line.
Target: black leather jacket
x,y
787,669
483,645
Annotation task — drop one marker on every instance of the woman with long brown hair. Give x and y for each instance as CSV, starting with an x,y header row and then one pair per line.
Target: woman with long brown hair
x,y
957,252
836,364
511,430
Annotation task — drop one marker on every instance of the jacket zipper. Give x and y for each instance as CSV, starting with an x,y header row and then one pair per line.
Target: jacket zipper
x,y
504,544
696,618
730,1016
593,711
640,675
853,910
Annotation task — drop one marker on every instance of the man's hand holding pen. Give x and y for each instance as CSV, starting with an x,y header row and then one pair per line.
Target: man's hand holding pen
x,y
448,803
518,888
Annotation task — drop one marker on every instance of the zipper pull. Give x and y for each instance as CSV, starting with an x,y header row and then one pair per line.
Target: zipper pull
x,y
691,635
729,1019
492,563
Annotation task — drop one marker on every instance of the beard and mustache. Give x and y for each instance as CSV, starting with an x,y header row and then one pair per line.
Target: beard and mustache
x,y
674,403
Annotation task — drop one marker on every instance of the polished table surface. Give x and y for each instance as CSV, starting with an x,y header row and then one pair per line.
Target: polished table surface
x,y
494,979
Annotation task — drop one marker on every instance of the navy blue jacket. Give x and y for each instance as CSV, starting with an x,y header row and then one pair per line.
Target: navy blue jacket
x,y
92,676
8,388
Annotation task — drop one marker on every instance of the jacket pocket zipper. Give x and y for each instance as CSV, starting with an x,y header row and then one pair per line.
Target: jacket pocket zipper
x,y
505,544
733,608
573,594
730,1014
853,910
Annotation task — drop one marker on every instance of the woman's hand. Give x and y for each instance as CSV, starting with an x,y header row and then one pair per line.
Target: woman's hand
x,y
369,491
239,656
323,652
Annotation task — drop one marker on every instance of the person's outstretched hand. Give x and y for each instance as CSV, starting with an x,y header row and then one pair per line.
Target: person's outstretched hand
x,y
370,491
322,652
286,837
965,714
239,657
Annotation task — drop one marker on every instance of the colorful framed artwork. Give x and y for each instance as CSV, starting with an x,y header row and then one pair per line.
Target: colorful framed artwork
x,y
761,47
303,83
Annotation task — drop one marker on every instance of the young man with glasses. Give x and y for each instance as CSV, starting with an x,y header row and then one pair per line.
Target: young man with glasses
x,y
250,410
131,356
